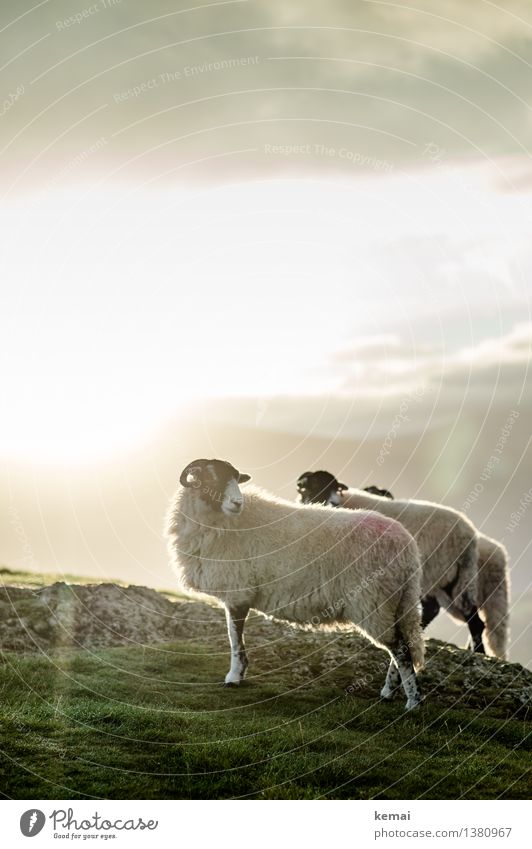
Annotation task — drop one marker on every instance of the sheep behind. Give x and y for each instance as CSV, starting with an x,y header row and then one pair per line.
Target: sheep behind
x,y
493,596
493,591
447,542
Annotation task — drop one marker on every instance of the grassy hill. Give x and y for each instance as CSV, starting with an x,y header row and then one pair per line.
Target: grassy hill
x,y
151,720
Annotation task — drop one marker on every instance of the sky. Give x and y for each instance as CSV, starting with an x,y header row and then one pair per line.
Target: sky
x,y
229,199
268,218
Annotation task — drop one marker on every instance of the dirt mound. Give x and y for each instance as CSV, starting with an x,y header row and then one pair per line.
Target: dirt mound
x,y
96,616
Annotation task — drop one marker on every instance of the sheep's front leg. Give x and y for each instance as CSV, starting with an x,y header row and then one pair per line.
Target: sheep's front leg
x,y
408,677
236,616
392,683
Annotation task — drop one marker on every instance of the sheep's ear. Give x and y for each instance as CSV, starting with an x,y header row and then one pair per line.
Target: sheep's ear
x,y
342,487
243,477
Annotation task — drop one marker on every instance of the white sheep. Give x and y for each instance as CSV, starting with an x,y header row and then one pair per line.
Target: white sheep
x,y
493,592
493,596
306,565
446,539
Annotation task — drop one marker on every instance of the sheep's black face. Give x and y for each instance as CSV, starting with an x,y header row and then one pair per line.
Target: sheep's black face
x,y
382,493
216,483
320,488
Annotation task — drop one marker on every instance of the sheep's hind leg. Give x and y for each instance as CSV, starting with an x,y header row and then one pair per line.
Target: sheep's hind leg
x,y
430,608
392,683
236,617
408,677
476,627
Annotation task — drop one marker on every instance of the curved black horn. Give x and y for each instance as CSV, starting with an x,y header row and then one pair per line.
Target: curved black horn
x,y
195,465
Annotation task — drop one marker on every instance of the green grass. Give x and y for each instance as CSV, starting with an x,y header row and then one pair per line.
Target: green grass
x,y
37,580
155,723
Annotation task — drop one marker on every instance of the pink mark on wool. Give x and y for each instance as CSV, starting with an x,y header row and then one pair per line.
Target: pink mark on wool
x,y
382,524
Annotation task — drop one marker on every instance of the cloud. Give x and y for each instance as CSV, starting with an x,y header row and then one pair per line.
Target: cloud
x,y
379,79
399,368
396,33
368,348
513,347
437,391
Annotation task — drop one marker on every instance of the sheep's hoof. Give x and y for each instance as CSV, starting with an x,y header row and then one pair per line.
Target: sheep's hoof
x,y
231,684
388,695
413,705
